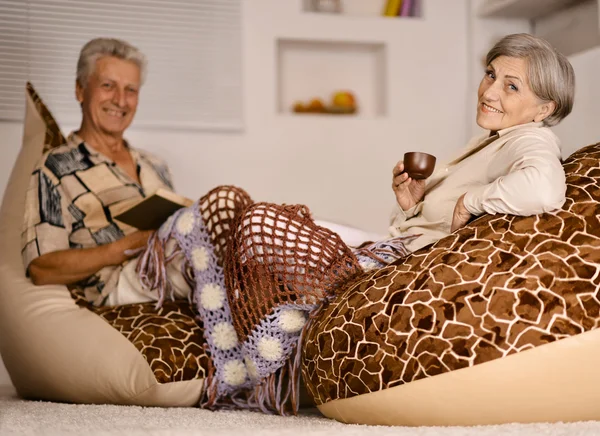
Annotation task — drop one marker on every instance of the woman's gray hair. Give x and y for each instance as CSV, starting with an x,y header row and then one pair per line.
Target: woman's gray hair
x,y
100,47
551,76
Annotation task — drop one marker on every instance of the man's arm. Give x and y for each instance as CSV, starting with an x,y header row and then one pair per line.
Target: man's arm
x,y
66,267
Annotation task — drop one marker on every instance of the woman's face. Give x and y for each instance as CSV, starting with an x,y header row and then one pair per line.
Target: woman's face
x,y
505,98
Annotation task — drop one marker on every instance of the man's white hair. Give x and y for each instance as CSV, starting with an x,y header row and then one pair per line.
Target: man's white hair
x,y
100,47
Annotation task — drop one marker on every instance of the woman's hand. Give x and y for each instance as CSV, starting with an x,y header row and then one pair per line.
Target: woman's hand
x,y
408,191
461,215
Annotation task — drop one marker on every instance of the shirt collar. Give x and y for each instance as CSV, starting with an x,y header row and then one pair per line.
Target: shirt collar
x,y
503,132
486,139
74,140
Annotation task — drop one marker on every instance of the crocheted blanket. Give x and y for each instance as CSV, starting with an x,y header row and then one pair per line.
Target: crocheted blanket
x,y
254,302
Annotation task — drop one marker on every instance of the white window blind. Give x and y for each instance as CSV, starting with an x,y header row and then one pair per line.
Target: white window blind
x,y
194,77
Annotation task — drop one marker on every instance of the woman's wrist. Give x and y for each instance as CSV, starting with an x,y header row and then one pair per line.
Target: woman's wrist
x,y
411,208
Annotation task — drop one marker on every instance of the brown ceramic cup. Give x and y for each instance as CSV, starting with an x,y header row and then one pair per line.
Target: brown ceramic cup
x,y
419,165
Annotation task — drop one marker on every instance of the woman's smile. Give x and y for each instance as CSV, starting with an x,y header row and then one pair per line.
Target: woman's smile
x,y
489,109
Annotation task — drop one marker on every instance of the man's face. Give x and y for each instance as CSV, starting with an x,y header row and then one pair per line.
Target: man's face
x,y
110,99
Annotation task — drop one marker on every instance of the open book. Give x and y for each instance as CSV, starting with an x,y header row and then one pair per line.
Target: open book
x,y
150,212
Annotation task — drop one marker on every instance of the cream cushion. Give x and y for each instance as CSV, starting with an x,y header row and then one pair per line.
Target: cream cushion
x,y
552,383
45,337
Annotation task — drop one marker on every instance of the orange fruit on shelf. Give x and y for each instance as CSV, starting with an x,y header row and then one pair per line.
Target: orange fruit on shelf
x,y
343,99
316,105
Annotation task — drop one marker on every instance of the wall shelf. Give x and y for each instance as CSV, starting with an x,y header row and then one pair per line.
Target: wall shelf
x,y
364,8
529,9
358,67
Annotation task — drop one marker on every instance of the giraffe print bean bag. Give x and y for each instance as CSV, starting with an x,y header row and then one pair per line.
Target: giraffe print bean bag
x,y
495,323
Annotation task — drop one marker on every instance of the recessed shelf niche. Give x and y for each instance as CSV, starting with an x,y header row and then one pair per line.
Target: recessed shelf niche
x,y
308,69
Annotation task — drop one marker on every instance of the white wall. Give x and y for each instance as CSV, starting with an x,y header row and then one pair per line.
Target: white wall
x,y
11,134
582,126
339,166
483,34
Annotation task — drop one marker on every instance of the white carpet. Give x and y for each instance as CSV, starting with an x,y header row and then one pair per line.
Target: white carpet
x,y
19,417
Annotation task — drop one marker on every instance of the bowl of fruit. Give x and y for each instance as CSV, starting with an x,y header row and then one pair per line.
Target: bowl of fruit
x,y
342,103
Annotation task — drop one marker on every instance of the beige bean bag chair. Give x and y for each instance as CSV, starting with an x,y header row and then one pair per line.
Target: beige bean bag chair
x,y
56,349
495,323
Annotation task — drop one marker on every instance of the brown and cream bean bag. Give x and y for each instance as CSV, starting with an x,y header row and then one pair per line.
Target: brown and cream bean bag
x,y
55,349
495,323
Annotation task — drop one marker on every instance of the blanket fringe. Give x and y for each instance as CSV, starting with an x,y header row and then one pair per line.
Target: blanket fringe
x,y
208,396
385,251
277,393
152,268
280,392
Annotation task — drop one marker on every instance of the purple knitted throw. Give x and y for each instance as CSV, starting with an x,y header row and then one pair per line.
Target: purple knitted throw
x,y
262,372
238,367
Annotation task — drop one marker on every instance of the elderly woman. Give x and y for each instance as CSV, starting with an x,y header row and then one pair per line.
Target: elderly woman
x,y
70,236
515,168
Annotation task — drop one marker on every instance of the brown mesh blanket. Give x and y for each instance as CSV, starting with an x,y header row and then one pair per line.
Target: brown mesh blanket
x,y
279,256
269,268
220,209
280,267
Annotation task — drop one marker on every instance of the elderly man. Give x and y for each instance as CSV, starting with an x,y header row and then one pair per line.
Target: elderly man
x,y
69,235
